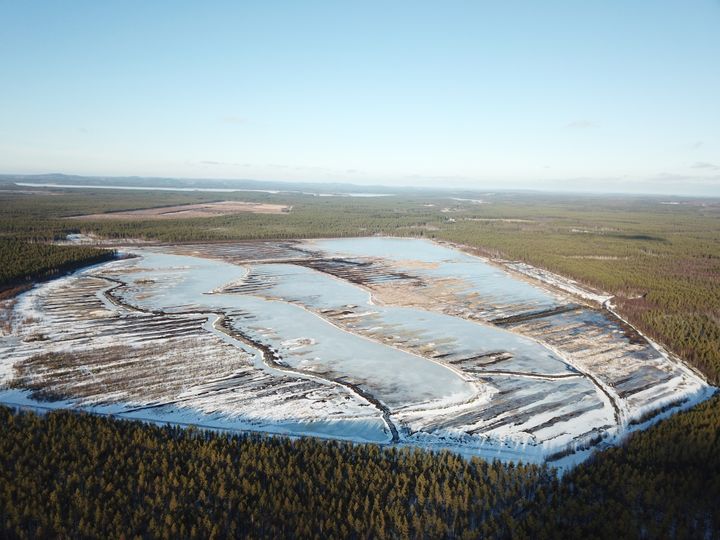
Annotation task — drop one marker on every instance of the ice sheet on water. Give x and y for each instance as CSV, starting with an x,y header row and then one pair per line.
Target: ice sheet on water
x,y
491,282
393,376
462,338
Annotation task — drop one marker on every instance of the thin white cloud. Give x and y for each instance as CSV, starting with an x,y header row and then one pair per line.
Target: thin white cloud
x,y
233,119
581,124
680,179
705,165
222,163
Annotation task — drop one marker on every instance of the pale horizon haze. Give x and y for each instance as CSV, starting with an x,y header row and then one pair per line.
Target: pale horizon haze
x,y
610,96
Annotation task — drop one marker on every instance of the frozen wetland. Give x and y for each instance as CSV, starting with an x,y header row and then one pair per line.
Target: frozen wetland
x,y
395,341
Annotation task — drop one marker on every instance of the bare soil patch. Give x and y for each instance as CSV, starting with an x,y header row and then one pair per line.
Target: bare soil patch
x,y
222,208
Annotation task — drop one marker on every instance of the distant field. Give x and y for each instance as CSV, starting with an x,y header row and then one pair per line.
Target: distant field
x,y
204,210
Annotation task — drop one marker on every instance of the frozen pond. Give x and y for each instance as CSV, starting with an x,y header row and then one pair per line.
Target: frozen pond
x,y
305,341
392,340
442,262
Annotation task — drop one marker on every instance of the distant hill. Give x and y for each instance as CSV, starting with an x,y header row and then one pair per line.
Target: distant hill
x,y
141,181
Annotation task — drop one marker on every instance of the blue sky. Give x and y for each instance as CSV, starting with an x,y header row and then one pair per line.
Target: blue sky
x,y
575,95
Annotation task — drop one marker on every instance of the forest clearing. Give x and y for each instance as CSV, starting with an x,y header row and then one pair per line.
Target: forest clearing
x,y
303,338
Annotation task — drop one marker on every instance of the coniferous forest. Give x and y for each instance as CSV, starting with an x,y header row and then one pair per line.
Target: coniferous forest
x,y
65,475
27,261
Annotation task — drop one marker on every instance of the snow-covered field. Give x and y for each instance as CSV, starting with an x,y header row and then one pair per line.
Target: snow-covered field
x,y
395,341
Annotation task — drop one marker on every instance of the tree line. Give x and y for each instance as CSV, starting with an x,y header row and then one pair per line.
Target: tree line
x,y
26,261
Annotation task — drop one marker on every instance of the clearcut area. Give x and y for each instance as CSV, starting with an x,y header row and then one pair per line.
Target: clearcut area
x,y
385,340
